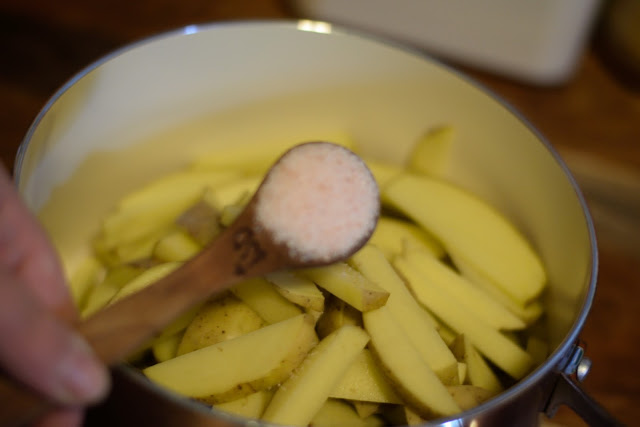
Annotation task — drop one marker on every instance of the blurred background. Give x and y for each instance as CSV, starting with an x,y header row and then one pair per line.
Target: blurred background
x,y
572,68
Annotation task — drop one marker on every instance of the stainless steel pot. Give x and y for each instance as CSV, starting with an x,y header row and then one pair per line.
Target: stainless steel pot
x,y
150,107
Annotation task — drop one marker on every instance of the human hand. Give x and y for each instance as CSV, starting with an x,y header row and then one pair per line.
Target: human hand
x,y
38,347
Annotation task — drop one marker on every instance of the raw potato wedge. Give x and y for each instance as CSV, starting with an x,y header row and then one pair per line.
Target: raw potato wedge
x,y
479,373
157,205
176,246
233,192
297,289
489,341
339,413
258,157
473,229
464,292
261,296
416,323
219,320
430,154
234,368
146,278
383,172
89,273
104,291
301,396
413,418
166,347
129,251
337,313
412,379
537,348
528,313
251,406
180,323
392,235
365,409
462,372
469,396
349,285
365,382
230,212
201,221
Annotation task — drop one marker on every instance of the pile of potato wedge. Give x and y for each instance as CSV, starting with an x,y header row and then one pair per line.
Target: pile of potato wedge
x,y
438,313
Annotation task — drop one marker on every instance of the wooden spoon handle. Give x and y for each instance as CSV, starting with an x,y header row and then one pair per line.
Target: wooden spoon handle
x,y
125,326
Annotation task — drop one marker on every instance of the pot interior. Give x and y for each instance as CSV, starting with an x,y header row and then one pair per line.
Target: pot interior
x,y
152,107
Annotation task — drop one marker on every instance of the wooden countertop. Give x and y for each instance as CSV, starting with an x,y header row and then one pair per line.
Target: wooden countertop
x,y
593,120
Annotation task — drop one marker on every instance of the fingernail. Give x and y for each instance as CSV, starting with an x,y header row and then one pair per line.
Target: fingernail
x,y
83,377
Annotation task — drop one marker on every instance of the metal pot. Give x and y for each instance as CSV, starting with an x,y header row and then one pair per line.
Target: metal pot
x,y
150,107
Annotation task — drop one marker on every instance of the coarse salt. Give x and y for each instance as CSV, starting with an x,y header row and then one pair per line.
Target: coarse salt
x,y
319,200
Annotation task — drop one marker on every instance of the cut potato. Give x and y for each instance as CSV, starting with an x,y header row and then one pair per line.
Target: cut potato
x,y
300,397
412,417
469,396
181,322
129,251
257,158
251,406
365,382
234,193
349,285
219,320
145,279
297,289
392,235
416,323
157,205
337,314
412,379
254,352
475,230
166,347
89,273
231,212
365,409
232,369
489,341
430,154
336,413
479,373
176,246
383,172
261,296
537,348
103,292
528,313
173,192
464,292
200,221
462,372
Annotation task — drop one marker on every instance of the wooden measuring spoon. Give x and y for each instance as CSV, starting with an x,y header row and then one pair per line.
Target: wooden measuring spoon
x,y
317,205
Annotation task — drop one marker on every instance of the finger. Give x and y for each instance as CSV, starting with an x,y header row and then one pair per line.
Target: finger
x,y
25,249
62,418
41,351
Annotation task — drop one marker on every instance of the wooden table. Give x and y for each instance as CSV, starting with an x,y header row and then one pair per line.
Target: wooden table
x,y
593,120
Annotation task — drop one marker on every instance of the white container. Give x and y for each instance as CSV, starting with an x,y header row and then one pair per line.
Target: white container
x,y
535,41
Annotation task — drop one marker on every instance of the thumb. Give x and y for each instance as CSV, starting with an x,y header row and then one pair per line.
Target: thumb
x,y
43,352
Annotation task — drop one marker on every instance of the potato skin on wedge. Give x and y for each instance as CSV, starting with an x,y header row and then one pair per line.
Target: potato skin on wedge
x,y
232,369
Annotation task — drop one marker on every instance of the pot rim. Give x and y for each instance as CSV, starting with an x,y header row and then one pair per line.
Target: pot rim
x,y
555,362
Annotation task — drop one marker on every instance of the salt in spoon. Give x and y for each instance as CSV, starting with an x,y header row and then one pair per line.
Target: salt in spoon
x,y
317,205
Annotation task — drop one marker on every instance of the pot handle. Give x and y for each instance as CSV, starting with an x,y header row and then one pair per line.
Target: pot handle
x,y
568,392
